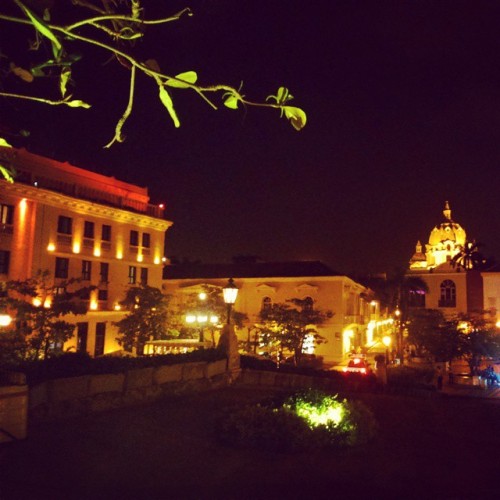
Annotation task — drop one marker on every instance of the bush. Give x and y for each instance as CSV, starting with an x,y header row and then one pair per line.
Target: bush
x,y
305,420
405,378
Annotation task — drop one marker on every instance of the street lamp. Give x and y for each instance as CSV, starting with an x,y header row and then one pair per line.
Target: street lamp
x,y
5,320
230,292
386,340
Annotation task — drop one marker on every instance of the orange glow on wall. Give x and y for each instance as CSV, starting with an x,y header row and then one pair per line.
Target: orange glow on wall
x,y
51,247
140,258
93,305
76,247
97,251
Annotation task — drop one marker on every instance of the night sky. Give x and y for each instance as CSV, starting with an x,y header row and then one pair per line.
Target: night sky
x,y
403,105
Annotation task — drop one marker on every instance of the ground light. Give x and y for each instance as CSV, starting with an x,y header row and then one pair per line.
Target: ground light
x,y
328,411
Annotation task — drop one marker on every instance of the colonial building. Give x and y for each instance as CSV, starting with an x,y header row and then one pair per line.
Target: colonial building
x,y
452,289
354,318
79,224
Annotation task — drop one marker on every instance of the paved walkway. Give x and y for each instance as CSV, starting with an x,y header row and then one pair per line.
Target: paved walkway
x,y
471,391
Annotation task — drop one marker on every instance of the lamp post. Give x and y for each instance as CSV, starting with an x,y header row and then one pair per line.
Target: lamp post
x,y
386,340
228,341
397,313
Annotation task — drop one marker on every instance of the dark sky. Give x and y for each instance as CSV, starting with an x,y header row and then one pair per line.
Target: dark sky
x,y
403,105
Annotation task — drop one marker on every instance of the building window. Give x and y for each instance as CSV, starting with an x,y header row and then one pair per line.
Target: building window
x,y
100,336
65,225
62,266
86,270
308,304
448,297
144,275
104,272
106,233
416,298
82,333
88,230
267,304
146,240
6,215
4,261
132,275
102,295
134,238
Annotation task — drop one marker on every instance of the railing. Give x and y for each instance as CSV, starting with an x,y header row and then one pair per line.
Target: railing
x,y
6,229
90,194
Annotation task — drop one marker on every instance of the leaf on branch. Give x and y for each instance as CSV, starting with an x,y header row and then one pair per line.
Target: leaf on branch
x,y
6,174
167,102
297,117
231,100
189,77
23,74
4,143
77,104
64,79
43,29
281,97
153,64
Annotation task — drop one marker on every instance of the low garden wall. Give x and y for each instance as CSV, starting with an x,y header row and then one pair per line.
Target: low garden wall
x,y
64,397
13,412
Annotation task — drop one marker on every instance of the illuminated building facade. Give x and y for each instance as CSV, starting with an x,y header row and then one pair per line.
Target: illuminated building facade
x,y
452,290
79,224
262,284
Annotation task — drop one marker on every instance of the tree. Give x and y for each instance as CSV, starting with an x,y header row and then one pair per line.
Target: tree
x,y
146,318
470,258
286,327
477,341
208,303
114,28
39,308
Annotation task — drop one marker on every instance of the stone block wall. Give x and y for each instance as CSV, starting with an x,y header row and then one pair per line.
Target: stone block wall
x,y
72,396
13,412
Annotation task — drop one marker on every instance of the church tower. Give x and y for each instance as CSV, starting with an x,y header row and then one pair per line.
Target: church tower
x,y
445,241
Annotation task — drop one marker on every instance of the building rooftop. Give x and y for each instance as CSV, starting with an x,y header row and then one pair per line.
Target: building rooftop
x,y
292,269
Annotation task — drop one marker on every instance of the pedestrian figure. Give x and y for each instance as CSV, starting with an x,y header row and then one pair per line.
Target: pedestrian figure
x,y
439,378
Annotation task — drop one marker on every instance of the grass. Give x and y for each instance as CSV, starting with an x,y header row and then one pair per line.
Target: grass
x,y
433,448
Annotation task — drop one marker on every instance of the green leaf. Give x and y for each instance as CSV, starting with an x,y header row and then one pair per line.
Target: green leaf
x,y
4,143
43,29
167,102
231,101
297,117
6,174
77,104
64,79
188,77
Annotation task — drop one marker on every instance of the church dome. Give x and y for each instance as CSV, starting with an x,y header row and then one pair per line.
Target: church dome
x,y
447,231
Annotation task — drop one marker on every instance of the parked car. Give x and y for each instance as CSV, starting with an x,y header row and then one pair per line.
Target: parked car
x,y
357,365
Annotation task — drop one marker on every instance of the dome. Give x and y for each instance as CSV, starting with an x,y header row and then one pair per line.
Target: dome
x,y
447,231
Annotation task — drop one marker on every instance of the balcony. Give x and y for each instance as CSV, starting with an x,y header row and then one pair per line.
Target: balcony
x,y
64,239
6,229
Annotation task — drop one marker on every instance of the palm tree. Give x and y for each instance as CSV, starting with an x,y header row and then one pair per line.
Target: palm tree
x,y
469,257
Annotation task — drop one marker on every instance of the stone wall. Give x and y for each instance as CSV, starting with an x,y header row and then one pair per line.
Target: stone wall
x,y
13,412
86,394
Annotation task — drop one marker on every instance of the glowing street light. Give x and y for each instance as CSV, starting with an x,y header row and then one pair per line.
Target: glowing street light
x,y
230,292
5,320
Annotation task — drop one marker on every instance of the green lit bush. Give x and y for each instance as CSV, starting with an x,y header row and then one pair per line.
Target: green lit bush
x,y
306,420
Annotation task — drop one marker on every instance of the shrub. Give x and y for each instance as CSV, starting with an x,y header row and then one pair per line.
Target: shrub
x,y
405,378
305,420
77,364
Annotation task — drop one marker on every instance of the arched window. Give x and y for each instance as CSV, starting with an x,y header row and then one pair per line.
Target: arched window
x,y
448,297
308,304
267,304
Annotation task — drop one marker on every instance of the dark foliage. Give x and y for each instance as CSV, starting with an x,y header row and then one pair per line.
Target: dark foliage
x,y
77,364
